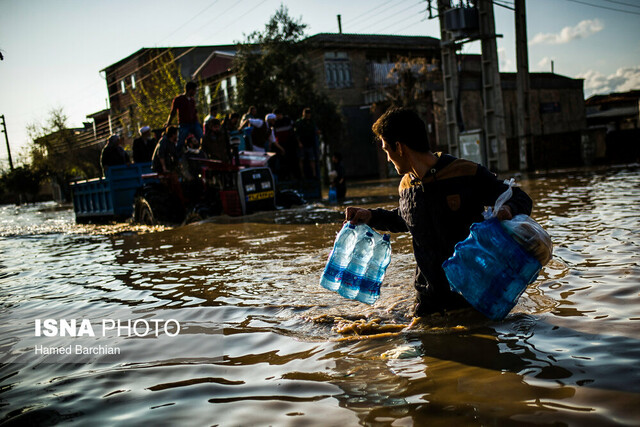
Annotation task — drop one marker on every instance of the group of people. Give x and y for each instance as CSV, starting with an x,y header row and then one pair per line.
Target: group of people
x,y
114,154
295,143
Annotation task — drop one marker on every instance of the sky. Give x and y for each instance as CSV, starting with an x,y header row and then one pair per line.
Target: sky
x,y
54,50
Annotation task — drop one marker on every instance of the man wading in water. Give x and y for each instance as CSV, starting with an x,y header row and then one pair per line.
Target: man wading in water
x,y
440,197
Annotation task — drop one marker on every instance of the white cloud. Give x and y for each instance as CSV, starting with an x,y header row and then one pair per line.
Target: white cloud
x,y
583,29
545,63
506,64
623,80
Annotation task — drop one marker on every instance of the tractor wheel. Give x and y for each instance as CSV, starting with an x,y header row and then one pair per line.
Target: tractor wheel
x,y
157,207
143,212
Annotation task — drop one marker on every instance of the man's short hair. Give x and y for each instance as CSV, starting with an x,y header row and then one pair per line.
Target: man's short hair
x,y
171,131
402,125
190,85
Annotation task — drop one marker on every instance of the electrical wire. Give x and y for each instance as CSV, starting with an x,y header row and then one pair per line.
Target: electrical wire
x,y
604,7
397,22
504,4
386,17
409,26
360,17
623,3
187,22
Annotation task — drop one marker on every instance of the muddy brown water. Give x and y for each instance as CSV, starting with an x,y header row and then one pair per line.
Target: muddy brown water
x,y
260,343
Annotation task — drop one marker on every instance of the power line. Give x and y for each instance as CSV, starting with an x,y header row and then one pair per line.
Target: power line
x,y
168,49
604,7
231,22
221,14
386,16
360,17
141,79
395,23
189,20
623,3
409,26
504,4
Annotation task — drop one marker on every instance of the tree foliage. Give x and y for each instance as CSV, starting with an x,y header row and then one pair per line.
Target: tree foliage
x,y
413,78
54,148
152,97
161,81
22,181
274,71
54,151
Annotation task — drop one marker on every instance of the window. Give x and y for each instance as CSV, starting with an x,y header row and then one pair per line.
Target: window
x,y
224,94
232,84
123,86
337,70
207,94
133,81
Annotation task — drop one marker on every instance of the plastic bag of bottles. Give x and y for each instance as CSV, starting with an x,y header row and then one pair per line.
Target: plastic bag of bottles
x,y
506,195
490,269
494,265
531,236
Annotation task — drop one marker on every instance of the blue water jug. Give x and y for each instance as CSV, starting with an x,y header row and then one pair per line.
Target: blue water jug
x,y
352,275
333,195
490,269
374,274
339,257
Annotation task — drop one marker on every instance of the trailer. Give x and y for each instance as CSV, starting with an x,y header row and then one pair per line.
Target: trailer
x,y
135,192
109,198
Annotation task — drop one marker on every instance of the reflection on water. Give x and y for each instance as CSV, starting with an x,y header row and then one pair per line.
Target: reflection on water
x,y
261,343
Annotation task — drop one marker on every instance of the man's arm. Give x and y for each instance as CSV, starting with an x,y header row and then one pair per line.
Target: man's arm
x,y
256,122
519,203
380,219
296,133
172,114
163,163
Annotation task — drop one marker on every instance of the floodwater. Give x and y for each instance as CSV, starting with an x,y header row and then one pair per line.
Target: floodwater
x,y
246,336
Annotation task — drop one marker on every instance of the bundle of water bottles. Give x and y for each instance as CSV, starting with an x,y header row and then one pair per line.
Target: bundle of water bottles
x,y
493,266
357,263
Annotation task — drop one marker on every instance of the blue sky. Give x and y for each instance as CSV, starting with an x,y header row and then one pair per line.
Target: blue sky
x,y
54,49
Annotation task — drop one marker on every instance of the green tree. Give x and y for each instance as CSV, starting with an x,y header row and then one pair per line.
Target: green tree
x,y
23,182
414,79
161,81
54,151
274,71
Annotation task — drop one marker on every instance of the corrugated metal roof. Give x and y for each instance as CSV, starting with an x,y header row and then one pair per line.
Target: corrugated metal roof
x,y
615,112
379,40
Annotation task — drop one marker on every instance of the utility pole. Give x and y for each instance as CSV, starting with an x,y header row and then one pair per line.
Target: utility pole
x,y
6,138
523,83
464,24
450,77
495,134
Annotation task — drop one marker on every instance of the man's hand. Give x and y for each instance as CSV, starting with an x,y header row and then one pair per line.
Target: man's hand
x,y
357,215
504,213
